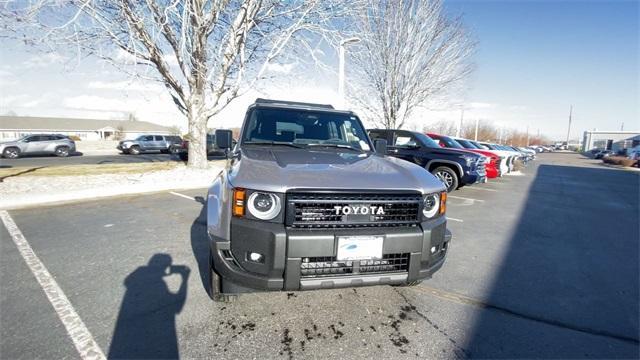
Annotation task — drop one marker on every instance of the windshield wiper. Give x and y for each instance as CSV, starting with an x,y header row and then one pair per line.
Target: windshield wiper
x,y
272,143
341,146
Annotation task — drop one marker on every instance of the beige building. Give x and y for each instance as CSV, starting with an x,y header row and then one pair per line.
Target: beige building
x,y
14,127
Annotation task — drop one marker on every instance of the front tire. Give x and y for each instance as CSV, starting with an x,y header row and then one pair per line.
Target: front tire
x,y
448,176
134,150
412,283
11,153
215,286
62,151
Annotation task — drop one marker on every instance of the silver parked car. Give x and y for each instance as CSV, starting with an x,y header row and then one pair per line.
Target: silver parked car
x,y
144,143
41,144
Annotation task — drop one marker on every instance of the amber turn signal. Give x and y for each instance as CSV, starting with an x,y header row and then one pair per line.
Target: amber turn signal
x,y
239,196
443,202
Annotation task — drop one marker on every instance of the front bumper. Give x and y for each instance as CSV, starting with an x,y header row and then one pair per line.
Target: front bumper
x,y
123,146
473,177
285,249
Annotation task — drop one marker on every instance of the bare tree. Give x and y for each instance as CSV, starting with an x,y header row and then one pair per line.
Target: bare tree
x,y
442,127
119,134
205,52
487,131
410,52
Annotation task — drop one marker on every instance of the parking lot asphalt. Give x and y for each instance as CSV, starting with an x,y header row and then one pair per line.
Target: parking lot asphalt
x,y
40,161
544,264
33,161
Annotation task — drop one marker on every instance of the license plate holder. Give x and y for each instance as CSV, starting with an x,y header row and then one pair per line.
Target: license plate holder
x,y
361,247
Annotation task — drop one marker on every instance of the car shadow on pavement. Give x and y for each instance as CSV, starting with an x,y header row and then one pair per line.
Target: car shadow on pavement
x,y
568,278
200,243
146,326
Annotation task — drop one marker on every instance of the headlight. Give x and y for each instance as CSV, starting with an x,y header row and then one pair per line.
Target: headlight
x,y
469,160
264,206
431,205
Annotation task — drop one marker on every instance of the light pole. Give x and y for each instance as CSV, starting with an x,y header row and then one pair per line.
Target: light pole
x,y
475,138
459,128
569,128
341,61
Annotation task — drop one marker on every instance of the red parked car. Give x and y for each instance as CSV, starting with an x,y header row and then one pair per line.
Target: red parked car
x,y
492,166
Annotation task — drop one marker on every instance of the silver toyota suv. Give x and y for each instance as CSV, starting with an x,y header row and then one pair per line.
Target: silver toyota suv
x,y
41,144
307,201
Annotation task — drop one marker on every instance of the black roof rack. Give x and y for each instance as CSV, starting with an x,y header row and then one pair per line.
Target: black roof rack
x,y
295,103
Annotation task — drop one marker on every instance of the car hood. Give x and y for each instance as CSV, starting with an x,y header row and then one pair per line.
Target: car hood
x,y
280,169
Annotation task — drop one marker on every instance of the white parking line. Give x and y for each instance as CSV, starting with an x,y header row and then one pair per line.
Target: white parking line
x,y
464,198
183,195
454,219
479,188
76,329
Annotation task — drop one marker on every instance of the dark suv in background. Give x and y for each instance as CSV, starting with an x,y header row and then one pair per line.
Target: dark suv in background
x,y
455,168
182,149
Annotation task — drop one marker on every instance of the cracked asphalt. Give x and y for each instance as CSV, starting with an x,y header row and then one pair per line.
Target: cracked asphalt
x,y
541,265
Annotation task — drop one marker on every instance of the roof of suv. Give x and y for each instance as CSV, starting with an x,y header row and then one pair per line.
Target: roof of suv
x,y
284,104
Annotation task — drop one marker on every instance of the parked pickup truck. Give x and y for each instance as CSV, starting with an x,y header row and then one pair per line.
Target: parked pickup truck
x,y
305,202
455,168
492,165
145,143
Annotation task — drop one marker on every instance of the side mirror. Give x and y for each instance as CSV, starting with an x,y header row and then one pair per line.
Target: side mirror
x,y
224,139
380,145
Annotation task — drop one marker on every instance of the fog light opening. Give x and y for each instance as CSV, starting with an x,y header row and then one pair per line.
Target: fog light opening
x,y
433,249
255,257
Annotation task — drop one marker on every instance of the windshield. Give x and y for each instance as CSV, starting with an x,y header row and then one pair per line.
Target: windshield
x,y
305,128
479,146
427,141
451,143
467,144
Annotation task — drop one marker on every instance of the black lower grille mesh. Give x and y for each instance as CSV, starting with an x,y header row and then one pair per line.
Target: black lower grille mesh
x,y
329,266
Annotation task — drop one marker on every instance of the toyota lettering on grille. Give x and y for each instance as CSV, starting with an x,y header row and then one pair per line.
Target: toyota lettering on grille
x,y
359,210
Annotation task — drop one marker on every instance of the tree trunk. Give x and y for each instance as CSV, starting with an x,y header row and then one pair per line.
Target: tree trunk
x,y
197,134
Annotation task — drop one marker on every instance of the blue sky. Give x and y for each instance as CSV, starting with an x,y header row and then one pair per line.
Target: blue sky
x,y
533,60
539,57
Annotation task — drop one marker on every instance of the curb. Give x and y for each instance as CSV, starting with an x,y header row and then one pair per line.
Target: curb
x,y
90,195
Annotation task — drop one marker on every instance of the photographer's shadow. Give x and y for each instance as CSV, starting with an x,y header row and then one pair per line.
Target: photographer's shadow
x,y
146,327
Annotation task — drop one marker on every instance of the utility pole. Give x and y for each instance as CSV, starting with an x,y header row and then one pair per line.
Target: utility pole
x,y
459,131
527,135
622,126
475,138
341,61
569,129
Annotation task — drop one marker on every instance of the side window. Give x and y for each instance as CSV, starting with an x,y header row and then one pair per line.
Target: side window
x,y
159,138
36,138
377,135
147,138
404,139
